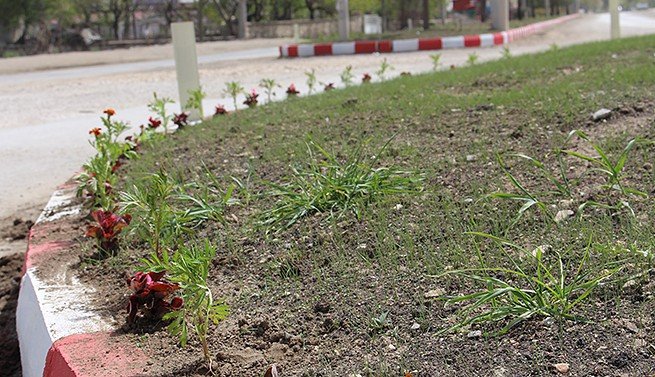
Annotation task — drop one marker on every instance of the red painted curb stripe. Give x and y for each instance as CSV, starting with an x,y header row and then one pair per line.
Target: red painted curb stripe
x,y
94,355
430,44
498,39
293,51
323,49
365,47
385,46
472,41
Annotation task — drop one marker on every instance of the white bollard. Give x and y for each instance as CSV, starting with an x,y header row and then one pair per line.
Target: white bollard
x,y
344,19
614,16
296,33
500,15
186,64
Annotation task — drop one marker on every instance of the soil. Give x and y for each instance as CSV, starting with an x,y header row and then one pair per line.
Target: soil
x,y
10,274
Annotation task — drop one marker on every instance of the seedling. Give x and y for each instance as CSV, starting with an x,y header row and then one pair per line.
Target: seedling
x,y
311,80
366,78
269,86
151,295
251,99
292,91
384,67
181,120
195,100
158,107
472,59
233,89
106,229
347,76
436,61
506,53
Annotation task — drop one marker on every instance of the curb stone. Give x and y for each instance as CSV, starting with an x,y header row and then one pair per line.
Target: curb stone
x,y
419,44
58,332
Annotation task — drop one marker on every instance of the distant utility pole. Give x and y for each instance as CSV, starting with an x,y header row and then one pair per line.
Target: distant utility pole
x,y
615,30
243,19
344,19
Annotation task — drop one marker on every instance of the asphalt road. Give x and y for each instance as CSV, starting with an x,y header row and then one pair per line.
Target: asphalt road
x,y
47,113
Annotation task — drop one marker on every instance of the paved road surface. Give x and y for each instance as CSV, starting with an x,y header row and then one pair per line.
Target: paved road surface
x,y
46,114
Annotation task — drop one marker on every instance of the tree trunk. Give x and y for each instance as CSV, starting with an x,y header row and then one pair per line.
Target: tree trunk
x,y
200,15
426,14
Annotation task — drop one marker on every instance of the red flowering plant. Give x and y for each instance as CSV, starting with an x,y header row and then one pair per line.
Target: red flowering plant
x,y
107,227
251,99
366,78
153,294
292,91
220,110
181,120
99,172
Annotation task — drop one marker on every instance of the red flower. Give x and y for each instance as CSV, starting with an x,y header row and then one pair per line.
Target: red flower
x,y
366,78
110,112
95,131
107,228
220,110
181,120
154,123
329,87
292,91
151,292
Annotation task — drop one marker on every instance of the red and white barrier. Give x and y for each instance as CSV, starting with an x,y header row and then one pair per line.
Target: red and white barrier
x,y
420,44
59,333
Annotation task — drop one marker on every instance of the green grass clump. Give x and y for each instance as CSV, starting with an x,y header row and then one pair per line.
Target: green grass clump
x,y
328,185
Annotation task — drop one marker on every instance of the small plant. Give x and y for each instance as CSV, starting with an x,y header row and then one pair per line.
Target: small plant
x,y
347,76
152,294
269,86
516,294
233,89
251,99
220,110
472,59
380,323
158,106
553,47
405,74
181,120
384,67
328,86
154,123
311,80
329,186
366,78
436,61
195,100
106,229
292,91
506,53
188,268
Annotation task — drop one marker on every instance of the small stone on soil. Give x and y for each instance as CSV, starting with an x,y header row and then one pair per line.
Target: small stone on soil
x,y
415,326
562,368
474,334
434,293
601,114
563,215
471,158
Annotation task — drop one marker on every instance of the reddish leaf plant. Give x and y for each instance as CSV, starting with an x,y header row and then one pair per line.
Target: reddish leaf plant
x,y
329,86
292,91
220,110
366,78
107,228
251,99
153,123
181,120
152,293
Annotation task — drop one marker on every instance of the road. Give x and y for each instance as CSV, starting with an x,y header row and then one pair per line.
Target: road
x,y
48,112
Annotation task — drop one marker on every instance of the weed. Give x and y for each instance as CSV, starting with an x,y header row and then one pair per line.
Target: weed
x,y
507,54
328,185
519,293
472,59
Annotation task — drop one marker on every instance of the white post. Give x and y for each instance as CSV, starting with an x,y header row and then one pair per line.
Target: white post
x,y
186,63
296,33
614,15
500,15
344,19
410,24
243,19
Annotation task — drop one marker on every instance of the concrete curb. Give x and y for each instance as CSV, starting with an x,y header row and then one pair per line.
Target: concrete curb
x,y
58,333
419,44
